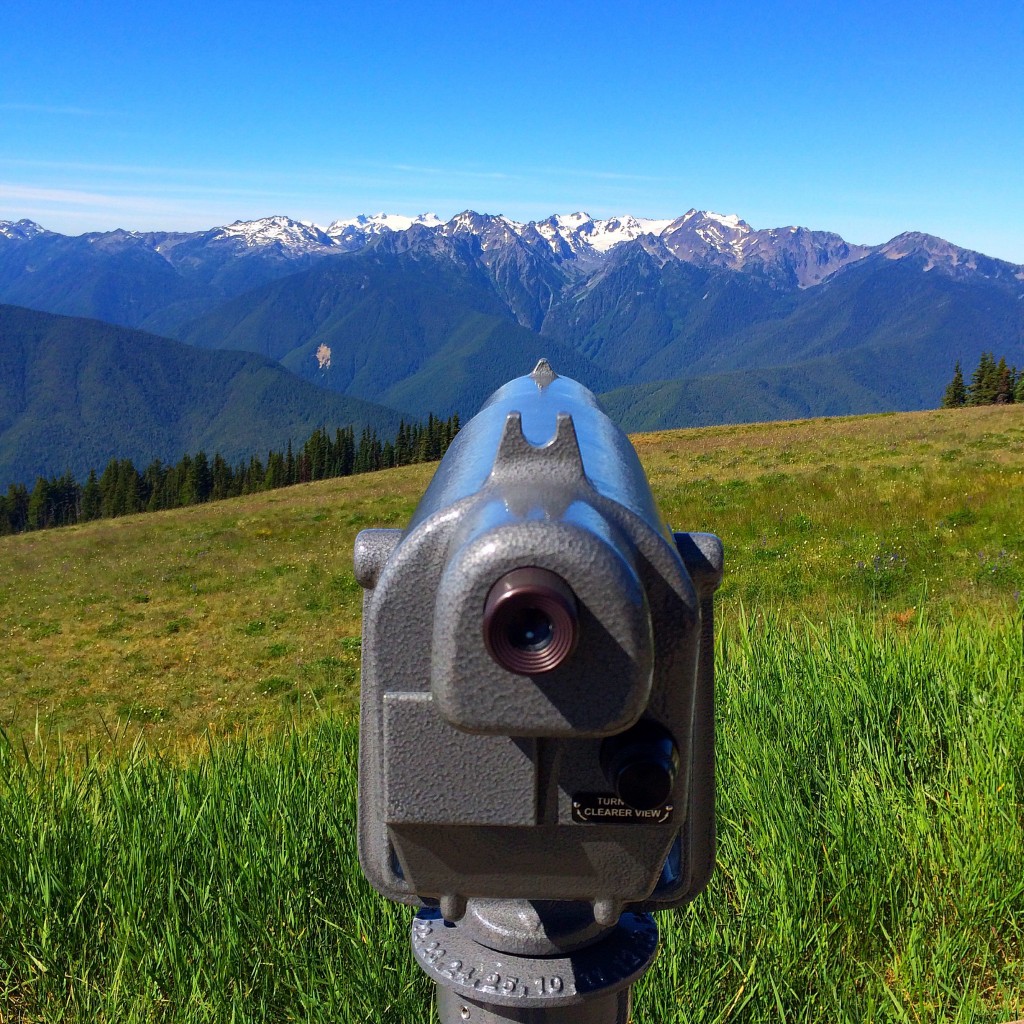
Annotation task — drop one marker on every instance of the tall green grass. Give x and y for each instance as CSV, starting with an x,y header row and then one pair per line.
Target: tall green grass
x,y
871,859
222,889
871,830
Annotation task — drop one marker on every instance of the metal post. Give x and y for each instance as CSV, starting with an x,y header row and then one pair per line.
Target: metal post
x,y
551,966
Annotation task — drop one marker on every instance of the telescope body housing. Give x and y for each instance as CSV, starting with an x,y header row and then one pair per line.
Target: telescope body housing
x,y
489,769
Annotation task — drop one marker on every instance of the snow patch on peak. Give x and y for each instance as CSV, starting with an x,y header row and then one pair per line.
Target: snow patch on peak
x,y
572,220
585,236
729,220
464,221
493,231
565,232
516,226
288,234
611,232
20,229
701,235
376,223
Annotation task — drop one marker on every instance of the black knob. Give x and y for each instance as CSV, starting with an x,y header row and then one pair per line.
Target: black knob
x,y
641,765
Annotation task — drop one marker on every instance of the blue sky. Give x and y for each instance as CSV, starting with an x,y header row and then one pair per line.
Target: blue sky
x,y
865,118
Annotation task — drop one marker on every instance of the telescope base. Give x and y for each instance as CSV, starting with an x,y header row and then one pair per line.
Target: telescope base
x,y
481,985
455,1009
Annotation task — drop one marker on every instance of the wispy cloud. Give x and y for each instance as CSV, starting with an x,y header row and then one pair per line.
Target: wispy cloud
x,y
522,173
350,172
98,196
97,210
130,169
356,172
451,172
57,110
13,191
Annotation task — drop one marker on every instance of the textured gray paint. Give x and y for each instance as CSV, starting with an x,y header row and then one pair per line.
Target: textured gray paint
x,y
467,771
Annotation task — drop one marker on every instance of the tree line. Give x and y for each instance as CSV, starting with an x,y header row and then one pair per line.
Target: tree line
x,y
121,489
992,383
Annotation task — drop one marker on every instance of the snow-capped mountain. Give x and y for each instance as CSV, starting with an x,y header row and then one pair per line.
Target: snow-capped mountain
x,y
605,234
791,255
700,233
374,224
20,229
580,235
280,232
159,280
354,233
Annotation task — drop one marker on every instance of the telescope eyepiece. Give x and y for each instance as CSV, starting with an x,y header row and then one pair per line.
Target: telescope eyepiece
x,y
530,630
531,621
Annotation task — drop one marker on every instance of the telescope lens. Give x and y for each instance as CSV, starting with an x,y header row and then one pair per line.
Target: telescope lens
x,y
529,629
531,622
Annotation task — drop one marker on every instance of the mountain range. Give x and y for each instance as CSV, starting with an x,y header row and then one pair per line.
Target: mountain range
x,y
696,319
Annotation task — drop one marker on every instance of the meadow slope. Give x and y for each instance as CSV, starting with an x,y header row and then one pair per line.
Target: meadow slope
x,y
243,613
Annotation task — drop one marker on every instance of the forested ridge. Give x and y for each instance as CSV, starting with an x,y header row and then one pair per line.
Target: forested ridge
x,y
121,489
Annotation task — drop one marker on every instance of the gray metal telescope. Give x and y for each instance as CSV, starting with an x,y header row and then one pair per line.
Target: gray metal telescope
x,y
536,763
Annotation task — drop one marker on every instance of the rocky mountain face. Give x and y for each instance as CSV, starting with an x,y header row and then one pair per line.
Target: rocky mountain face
x,y
160,280
427,315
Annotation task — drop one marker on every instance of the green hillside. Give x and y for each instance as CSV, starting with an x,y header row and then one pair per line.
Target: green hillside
x,y
423,336
75,393
682,344
798,391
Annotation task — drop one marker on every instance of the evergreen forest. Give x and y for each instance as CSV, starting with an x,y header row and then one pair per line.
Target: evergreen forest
x,y
121,489
991,383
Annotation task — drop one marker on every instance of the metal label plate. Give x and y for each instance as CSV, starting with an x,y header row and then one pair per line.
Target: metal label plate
x,y
608,809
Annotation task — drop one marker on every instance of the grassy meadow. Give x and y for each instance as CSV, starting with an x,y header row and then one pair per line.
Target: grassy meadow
x,y
177,781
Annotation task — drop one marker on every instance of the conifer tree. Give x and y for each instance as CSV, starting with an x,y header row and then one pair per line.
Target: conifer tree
x,y
108,488
64,501
956,391
319,459
186,475
92,498
984,383
220,478
127,493
17,508
275,475
347,452
290,476
202,477
255,476
37,505
402,453
153,485
1003,383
